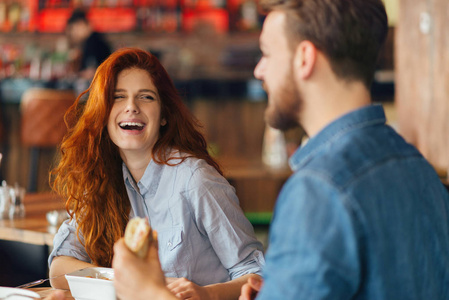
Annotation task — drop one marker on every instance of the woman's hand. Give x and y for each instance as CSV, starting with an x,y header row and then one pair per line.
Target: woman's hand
x,y
251,288
185,289
62,265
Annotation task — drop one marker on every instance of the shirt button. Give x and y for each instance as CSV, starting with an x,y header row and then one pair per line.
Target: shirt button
x,y
169,244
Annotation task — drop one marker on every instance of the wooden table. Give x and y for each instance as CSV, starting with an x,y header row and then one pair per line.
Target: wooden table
x,y
44,292
26,242
34,228
30,230
257,186
242,168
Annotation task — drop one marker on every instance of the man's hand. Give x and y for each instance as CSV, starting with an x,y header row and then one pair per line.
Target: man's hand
x,y
136,278
251,288
56,295
185,289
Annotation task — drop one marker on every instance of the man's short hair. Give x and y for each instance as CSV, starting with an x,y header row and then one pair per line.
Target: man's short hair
x,y
77,15
350,33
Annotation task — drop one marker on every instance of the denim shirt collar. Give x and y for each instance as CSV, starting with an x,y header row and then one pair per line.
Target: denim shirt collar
x,y
366,116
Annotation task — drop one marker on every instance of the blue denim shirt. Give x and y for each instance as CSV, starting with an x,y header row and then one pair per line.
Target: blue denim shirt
x,y
203,234
364,216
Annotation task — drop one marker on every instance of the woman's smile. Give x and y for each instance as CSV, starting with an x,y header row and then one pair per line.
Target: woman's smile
x,y
135,117
132,127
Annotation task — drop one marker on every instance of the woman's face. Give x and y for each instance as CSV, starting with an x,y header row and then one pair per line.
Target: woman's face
x,y
135,116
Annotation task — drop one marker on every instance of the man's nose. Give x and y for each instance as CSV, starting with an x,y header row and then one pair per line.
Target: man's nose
x,y
259,69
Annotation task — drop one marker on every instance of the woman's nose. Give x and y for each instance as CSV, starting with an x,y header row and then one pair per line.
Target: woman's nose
x,y
131,106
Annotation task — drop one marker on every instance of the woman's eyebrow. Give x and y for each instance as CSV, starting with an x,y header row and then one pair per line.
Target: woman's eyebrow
x,y
140,91
147,91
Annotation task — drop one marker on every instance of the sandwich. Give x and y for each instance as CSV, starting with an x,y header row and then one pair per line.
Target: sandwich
x,y
138,236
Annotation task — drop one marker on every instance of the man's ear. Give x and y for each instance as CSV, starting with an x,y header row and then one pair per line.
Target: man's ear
x,y
304,59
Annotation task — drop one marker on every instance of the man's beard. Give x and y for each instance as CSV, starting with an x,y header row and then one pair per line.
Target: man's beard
x,y
283,109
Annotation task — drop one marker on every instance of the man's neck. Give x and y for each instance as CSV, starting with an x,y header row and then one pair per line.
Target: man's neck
x,y
331,101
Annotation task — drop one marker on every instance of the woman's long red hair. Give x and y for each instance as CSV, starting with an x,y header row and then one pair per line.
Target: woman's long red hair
x,y
89,174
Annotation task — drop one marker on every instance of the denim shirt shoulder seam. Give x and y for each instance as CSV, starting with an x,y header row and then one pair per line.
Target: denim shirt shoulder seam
x,y
337,135
373,166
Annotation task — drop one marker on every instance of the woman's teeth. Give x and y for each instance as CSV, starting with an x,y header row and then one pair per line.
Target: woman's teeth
x,y
131,125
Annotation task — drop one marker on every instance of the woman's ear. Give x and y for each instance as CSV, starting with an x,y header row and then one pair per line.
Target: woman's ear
x,y
163,122
305,59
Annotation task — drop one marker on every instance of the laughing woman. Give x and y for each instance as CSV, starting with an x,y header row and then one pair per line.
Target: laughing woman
x,y
135,150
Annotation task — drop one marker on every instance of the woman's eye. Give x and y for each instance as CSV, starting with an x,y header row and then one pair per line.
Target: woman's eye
x,y
146,97
118,97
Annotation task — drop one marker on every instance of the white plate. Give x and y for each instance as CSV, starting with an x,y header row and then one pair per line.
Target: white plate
x,y
5,291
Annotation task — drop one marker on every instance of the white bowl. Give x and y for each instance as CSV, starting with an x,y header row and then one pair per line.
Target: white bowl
x,y
92,284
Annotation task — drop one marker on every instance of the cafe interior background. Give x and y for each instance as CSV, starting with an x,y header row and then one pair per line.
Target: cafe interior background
x,y
209,48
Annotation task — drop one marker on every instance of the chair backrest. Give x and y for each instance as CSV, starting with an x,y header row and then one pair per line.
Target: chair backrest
x,y
42,116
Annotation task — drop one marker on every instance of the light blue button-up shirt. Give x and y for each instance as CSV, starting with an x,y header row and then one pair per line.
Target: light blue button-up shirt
x,y
364,216
202,232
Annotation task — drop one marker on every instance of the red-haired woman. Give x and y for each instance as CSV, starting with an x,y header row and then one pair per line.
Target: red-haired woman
x,y
135,150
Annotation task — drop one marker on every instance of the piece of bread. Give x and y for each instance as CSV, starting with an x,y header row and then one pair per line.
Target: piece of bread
x,y
138,236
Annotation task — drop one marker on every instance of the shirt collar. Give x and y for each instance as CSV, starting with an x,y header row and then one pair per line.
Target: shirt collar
x,y
149,179
366,116
128,177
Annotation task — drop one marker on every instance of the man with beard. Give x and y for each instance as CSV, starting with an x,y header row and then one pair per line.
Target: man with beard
x,y
364,216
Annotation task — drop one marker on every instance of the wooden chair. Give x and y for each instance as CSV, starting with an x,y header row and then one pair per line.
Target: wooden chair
x,y
42,124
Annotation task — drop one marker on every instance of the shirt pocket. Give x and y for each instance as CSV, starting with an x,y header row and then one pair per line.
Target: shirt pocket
x,y
174,252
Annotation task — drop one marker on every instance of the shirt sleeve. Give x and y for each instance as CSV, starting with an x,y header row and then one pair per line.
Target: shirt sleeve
x,y
312,251
66,243
218,215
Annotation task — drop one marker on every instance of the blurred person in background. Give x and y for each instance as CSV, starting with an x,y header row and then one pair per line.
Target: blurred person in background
x,y
90,48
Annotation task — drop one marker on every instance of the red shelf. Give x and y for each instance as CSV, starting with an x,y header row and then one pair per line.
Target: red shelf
x,y
102,19
53,19
218,18
112,19
130,15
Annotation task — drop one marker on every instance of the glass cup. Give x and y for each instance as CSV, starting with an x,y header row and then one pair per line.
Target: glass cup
x,y
17,209
5,201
